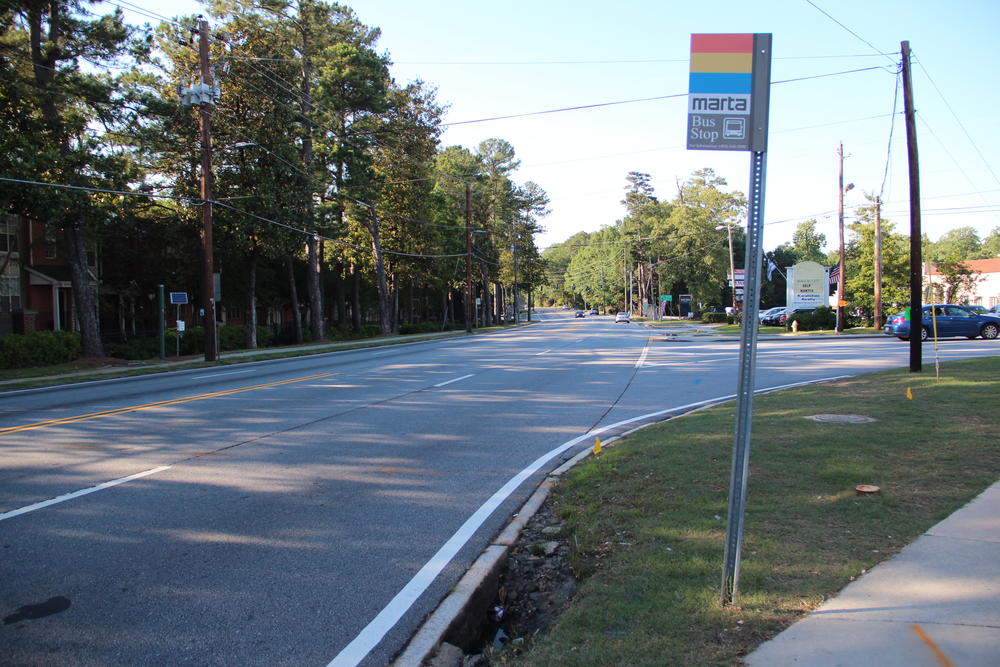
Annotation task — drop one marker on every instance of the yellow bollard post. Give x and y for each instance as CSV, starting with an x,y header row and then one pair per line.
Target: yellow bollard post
x,y
909,393
597,446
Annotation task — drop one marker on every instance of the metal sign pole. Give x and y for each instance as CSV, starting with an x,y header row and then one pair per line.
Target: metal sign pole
x,y
748,365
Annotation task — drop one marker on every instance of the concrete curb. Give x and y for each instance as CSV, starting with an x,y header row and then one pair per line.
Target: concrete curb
x,y
457,613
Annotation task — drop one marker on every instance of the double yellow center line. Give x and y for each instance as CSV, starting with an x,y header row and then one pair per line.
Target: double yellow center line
x,y
158,404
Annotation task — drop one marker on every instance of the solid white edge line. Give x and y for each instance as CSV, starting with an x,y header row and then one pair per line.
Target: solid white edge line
x,y
441,384
217,375
379,627
83,492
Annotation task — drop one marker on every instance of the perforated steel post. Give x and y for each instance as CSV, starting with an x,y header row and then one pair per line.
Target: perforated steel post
x,y
748,366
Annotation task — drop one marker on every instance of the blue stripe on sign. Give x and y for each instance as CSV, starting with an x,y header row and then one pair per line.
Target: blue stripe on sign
x,y
719,82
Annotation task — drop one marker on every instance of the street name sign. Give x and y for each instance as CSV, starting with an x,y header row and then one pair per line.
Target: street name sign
x,y
729,91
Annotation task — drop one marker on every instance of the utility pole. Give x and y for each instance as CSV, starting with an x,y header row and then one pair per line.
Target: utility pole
x,y
207,246
916,267
878,262
468,257
840,227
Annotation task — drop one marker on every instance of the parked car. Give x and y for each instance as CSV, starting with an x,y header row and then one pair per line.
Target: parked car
x,y
765,315
949,319
621,317
783,316
579,313
995,310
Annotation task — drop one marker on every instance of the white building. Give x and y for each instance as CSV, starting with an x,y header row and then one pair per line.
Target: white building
x,y
987,289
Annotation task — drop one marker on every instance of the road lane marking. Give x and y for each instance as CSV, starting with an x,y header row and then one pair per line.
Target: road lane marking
x,y
158,404
82,492
441,384
545,352
385,620
217,375
642,357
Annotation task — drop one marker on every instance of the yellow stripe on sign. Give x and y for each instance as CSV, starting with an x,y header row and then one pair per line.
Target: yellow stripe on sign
x,y
158,404
739,63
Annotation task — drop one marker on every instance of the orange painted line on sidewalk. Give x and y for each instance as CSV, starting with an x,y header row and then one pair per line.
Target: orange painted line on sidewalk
x,y
158,404
945,662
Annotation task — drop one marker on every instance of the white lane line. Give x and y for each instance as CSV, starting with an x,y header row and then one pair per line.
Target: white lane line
x,y
76,494
545,352
216,375
642,357
379,627
441,384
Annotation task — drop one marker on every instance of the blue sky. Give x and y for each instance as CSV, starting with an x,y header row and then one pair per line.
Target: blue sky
x,y
516,57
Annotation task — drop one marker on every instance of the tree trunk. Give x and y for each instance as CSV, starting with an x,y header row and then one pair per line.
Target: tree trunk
x,y
294,297
84,294
445,300
355,299
501,315
385,315
251,318
340,293
313,288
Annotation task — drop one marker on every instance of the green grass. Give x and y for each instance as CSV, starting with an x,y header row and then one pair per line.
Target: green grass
x,y
649,514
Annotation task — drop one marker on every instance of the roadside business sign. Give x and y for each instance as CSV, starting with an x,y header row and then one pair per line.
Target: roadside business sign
x,y
178,298
729,92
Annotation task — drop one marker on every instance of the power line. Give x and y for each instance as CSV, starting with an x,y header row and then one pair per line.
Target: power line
x,y
643,99
960,124
623,61
65,186
872,46
892,127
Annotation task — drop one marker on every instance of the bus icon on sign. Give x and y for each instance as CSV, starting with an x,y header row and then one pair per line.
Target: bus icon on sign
x,y
734,128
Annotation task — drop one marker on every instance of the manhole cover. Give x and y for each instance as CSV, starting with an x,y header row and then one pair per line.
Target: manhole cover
x,y
841,419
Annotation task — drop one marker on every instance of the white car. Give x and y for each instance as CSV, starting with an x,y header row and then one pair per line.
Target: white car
x,y
621,317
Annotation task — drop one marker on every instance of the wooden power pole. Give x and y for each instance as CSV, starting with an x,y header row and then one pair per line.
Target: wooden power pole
x,y
878,262
916,266
207,245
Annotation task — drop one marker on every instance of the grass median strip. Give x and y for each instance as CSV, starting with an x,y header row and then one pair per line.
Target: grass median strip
x,y
647,518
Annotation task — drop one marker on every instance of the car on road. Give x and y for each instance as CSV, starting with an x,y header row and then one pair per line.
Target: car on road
x,y
621,317
995,310
579,313
593,311
949,320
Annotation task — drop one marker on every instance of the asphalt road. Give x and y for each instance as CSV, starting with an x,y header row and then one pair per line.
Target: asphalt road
x,y
311,510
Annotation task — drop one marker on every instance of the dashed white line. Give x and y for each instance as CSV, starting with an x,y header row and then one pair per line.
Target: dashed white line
x,y
441,384
76,494
642,357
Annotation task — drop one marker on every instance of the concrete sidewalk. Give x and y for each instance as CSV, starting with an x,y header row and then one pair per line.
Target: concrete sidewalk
x,y
935,604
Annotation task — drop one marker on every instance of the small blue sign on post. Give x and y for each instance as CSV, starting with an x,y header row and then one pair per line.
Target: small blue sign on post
x,y
179,298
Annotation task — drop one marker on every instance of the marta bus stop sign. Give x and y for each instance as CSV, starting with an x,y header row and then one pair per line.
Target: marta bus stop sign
x,y
728,92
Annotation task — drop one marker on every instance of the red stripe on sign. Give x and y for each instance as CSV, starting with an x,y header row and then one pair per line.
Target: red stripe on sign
x,y
722,43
